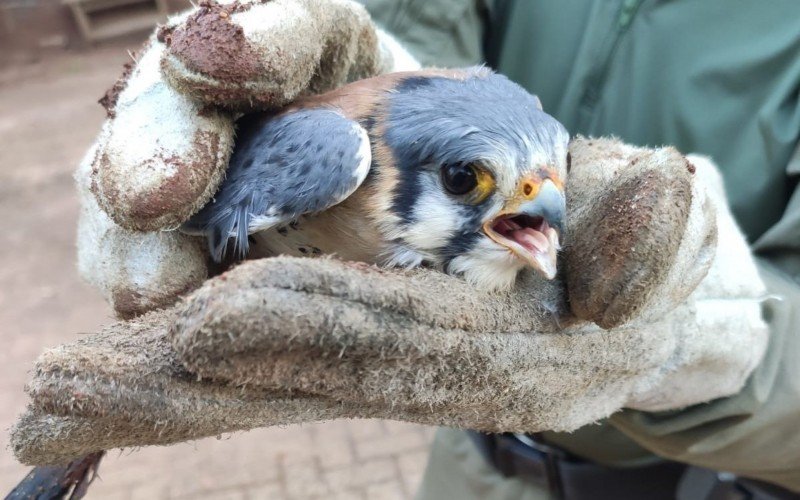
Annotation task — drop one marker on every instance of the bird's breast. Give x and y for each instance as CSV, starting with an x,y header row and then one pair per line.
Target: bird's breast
x,y
345,230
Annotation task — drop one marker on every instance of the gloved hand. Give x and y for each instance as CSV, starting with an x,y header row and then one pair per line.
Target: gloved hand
x,y
163,150
285,340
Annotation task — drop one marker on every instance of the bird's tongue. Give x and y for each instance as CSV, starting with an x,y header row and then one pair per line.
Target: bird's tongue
x,y
530,239
540,245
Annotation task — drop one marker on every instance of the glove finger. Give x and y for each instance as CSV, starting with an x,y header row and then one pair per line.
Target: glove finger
x,y
136,272
256,54
323,327
629,219
160,155
124,387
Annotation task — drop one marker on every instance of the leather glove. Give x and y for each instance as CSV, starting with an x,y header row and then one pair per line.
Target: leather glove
x,y
163,150
281,340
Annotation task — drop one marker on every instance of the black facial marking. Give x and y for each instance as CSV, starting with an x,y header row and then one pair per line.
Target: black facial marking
x,y
282,230
465,240
407,190
459,244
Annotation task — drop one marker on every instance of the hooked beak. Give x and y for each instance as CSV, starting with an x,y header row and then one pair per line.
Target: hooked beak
x,y
531,228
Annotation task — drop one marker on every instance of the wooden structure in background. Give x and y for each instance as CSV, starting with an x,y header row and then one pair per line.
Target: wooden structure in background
x,y
104,19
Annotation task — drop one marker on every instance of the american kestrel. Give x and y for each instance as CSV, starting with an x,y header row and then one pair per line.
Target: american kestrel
x,y
460,170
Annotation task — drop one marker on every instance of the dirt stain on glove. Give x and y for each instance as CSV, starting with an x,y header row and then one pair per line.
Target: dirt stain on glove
x,y
210,43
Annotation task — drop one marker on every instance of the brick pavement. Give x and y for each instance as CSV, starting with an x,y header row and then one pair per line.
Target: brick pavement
x,y
48,116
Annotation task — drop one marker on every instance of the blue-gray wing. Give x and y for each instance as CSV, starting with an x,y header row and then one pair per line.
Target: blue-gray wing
x,y
282,166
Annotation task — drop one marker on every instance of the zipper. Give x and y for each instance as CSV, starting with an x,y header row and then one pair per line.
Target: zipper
x,y
598,75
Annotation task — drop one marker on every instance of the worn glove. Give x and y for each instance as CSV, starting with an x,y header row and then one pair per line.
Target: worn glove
x,y
164,148
284,340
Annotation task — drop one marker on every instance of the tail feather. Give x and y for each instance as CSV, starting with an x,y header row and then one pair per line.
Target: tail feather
x,y
241,242
224,226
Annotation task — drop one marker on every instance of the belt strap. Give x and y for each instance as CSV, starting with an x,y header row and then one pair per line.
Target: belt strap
x,y
570,478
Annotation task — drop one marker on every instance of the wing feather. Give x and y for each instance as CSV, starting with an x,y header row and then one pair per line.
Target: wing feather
x,y
283,166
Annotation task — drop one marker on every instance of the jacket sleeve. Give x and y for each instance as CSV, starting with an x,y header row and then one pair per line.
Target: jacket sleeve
x,y
444,33
755,433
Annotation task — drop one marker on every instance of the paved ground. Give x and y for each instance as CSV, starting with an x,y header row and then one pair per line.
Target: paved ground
x,y
48,116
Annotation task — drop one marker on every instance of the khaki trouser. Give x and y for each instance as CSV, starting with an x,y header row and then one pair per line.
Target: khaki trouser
x,y
457,470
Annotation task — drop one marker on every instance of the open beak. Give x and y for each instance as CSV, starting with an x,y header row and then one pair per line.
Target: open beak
x,y
531,226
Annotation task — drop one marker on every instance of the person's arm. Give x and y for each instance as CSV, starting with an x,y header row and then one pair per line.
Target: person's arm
x,y
755,433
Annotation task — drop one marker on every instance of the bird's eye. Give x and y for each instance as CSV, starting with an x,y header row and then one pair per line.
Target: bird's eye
x,y
459,178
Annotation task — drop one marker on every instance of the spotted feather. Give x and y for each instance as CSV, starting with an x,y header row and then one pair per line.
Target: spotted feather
x,y
283,166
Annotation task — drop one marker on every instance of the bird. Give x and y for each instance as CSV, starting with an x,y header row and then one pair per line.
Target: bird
x,y
458,170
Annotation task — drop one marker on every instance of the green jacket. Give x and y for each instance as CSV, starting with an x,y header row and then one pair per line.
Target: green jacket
x,y
714,77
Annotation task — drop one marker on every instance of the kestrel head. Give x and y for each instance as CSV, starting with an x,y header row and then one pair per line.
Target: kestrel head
x,y
469,176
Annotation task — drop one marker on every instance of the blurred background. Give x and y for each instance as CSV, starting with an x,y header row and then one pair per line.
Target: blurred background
x,y
57,58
